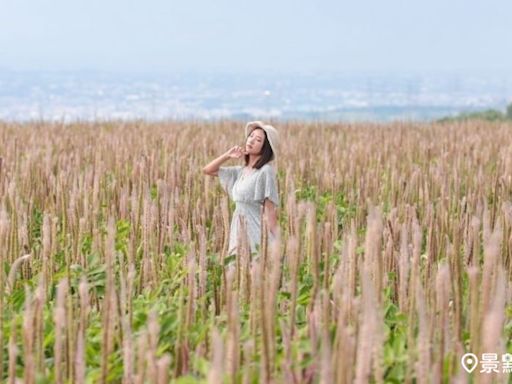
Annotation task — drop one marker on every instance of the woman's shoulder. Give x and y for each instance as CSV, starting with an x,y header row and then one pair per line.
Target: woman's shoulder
x,y
231,172
268,169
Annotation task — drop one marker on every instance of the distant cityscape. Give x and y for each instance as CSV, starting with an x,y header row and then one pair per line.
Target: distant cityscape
x,y
70,96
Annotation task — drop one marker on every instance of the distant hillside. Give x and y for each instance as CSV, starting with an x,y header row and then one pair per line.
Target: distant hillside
x,y
488,114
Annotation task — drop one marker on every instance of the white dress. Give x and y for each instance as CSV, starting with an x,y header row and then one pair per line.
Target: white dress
x,y
248,192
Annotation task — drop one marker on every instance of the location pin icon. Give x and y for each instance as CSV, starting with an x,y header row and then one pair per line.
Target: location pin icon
x,y
469,362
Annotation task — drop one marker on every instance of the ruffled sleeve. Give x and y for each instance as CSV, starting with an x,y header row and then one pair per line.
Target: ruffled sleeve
x,y
266,185
227,177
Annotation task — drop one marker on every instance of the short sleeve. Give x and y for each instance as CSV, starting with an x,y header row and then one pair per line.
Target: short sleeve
x,y
266,186
228,176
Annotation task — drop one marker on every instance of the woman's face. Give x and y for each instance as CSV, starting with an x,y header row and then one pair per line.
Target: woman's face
x,y
254,142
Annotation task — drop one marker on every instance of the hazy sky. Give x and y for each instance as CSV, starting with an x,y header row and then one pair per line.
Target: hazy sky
x,y
314,35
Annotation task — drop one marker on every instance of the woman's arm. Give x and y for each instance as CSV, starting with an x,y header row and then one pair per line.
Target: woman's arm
x,y
270,211
213,167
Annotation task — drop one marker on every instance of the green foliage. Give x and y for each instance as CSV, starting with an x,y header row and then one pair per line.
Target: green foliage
x,y
36,226
322,200
154,192
122,236
395,347
508,327
488,115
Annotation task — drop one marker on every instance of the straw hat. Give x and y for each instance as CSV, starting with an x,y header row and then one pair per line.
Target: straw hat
x,y
272,134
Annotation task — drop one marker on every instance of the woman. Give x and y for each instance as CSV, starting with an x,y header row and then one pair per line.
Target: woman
x,y
252,187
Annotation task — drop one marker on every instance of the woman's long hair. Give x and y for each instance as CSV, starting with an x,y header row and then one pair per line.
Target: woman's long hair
x,y
266,153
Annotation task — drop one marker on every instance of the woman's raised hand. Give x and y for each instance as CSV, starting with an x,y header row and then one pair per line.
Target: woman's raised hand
x,y
235,152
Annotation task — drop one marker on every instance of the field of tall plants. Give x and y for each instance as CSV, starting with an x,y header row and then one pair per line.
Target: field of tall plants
x,y
394,257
